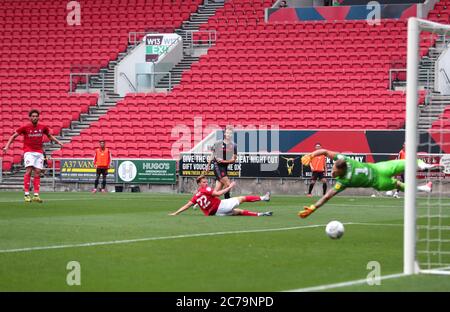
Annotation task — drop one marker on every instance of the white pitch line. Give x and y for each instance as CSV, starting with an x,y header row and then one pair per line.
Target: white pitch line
x,y
126,241
81,199
376,224
343,284
145,239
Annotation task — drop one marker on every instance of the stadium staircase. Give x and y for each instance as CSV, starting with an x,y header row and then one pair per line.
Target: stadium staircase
x,y
39,48
169,81
433,110
433,103
436,113
261,74
265,74
204,12
103,84
105,79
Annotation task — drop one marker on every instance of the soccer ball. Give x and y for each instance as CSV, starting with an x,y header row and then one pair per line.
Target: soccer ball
x,y
334,229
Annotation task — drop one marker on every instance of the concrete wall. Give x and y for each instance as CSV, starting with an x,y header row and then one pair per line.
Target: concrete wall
x,y
135,63
128,67
442,73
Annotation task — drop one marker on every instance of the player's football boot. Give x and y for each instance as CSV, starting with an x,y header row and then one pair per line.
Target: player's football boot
x,y
266,197
308,195
94,190
37,199
424,166
429,187
103,190
265,214
27,198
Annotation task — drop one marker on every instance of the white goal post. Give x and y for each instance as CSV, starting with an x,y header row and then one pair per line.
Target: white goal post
x,y
415,27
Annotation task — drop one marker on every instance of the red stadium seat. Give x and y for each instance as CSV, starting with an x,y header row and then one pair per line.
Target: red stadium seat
x,y
291,74
52,48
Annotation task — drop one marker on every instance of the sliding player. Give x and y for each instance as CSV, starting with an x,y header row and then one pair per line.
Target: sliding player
x,y
209,202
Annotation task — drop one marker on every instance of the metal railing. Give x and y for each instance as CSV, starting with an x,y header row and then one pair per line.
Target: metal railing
x,y
447,80
134,37
194,39
86,79
394,76
153,80
122,74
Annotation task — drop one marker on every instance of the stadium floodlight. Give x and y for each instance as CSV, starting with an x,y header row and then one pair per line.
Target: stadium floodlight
x,y
427,231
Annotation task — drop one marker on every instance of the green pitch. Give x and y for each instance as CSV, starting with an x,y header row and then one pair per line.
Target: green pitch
x,y
127,242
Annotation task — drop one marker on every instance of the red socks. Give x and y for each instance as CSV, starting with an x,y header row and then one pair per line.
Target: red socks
x,y
36,184
252,198
26,182
249,213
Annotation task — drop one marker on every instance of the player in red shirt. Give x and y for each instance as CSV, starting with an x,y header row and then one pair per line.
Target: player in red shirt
x,y
209,202
33,152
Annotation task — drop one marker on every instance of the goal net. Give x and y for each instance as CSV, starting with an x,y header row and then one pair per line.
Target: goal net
x,y
427,217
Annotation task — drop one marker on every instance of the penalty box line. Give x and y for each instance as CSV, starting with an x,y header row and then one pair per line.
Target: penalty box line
x,y
343,284
145,239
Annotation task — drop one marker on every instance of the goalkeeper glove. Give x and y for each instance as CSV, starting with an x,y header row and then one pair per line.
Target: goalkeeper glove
x,y
306,159
307,210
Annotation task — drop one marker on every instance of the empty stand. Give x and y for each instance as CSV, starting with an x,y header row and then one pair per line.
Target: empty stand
x,y
294,75
39,47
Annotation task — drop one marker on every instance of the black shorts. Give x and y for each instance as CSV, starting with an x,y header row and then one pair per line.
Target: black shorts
x,y
102,171
220,171
317,175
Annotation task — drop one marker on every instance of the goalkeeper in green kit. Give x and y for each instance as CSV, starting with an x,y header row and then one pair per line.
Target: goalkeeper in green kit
x,y
351,173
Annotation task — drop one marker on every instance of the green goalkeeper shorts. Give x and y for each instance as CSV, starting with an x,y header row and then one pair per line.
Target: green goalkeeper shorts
x,y
385,174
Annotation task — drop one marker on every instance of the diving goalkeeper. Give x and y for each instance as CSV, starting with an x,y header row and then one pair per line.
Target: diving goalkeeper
x,y
351,173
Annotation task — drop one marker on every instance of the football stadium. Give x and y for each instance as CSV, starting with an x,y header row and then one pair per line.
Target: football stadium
x,y
187,146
